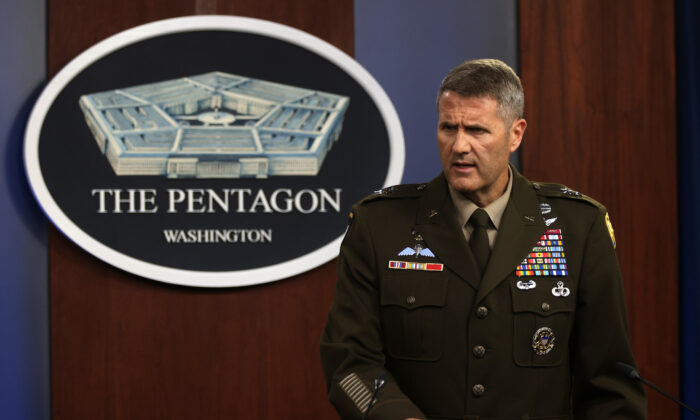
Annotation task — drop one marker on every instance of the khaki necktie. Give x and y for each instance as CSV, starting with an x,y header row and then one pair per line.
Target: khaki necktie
x,y
479,239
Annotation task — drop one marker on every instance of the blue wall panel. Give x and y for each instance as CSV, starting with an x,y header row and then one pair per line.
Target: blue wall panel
x,y
24,343
688,69
410,45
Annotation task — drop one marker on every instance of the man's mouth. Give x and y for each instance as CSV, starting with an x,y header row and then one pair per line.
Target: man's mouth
x,y
463,165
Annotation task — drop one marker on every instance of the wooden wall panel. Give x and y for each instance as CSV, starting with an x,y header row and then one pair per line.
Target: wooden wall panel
x,y
123,347
599,79
330,20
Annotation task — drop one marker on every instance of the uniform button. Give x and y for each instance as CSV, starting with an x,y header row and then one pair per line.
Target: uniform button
x,y
545,307
482,311
479,351
478,390
411,300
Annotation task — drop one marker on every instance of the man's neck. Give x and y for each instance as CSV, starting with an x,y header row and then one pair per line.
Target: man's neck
x,y
495,208
485,198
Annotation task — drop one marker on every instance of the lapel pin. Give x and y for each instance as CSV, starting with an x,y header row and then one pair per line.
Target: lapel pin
x,y
432,214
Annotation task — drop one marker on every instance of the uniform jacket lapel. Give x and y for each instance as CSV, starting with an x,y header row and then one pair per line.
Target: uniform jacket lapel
x,y
437,222
520,229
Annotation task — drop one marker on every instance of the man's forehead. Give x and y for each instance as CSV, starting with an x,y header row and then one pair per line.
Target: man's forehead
x,y
454,98
470,106
454,103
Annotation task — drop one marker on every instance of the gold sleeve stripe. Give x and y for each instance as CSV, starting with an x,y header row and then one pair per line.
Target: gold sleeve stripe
x,y
357,391
608,223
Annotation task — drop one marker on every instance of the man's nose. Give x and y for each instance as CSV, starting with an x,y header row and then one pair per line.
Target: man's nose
x,y
462,143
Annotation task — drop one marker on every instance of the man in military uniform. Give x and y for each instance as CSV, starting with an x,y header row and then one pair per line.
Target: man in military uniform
x,y
480,295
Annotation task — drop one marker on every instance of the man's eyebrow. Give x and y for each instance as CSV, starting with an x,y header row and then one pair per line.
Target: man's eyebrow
x,y
475,125
467,127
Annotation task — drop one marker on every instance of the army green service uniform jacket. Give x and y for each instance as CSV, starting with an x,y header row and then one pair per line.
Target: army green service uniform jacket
x,y
410,308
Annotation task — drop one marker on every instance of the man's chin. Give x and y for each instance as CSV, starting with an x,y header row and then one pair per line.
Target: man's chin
x,y
462,185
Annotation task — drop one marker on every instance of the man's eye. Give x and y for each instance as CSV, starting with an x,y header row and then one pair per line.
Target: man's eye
x,y
476,130
449,127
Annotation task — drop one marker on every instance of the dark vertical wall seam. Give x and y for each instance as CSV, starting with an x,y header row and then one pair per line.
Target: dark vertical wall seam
x,y
688,88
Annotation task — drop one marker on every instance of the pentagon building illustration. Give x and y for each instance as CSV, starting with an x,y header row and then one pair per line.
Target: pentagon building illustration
x,y
215,125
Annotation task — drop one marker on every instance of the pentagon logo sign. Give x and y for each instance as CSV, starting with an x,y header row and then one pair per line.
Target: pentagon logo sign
x,y
211,151
214,125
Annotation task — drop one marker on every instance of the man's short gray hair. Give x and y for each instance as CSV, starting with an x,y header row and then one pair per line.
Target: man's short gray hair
x,y
487,78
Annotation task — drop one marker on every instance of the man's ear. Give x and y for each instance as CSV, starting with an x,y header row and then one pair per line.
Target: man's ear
x,y
517,130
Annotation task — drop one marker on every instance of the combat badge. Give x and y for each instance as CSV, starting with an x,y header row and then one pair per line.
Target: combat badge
x,y
560,290
417,250
610,229
526,285
543,341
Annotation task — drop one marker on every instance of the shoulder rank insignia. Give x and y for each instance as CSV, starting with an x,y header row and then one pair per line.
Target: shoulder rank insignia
x,y
394,191
547,258
401,189
610,229
559,190
569,191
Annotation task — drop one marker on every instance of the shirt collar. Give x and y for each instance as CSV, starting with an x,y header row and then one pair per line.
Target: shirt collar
x,y
465,207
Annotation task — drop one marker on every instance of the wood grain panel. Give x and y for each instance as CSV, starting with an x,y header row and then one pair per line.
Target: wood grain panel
x,y
330,20
123,347
599,79
75,25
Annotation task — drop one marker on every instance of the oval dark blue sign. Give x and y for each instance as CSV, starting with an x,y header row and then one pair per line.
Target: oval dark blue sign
x,y
211,151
